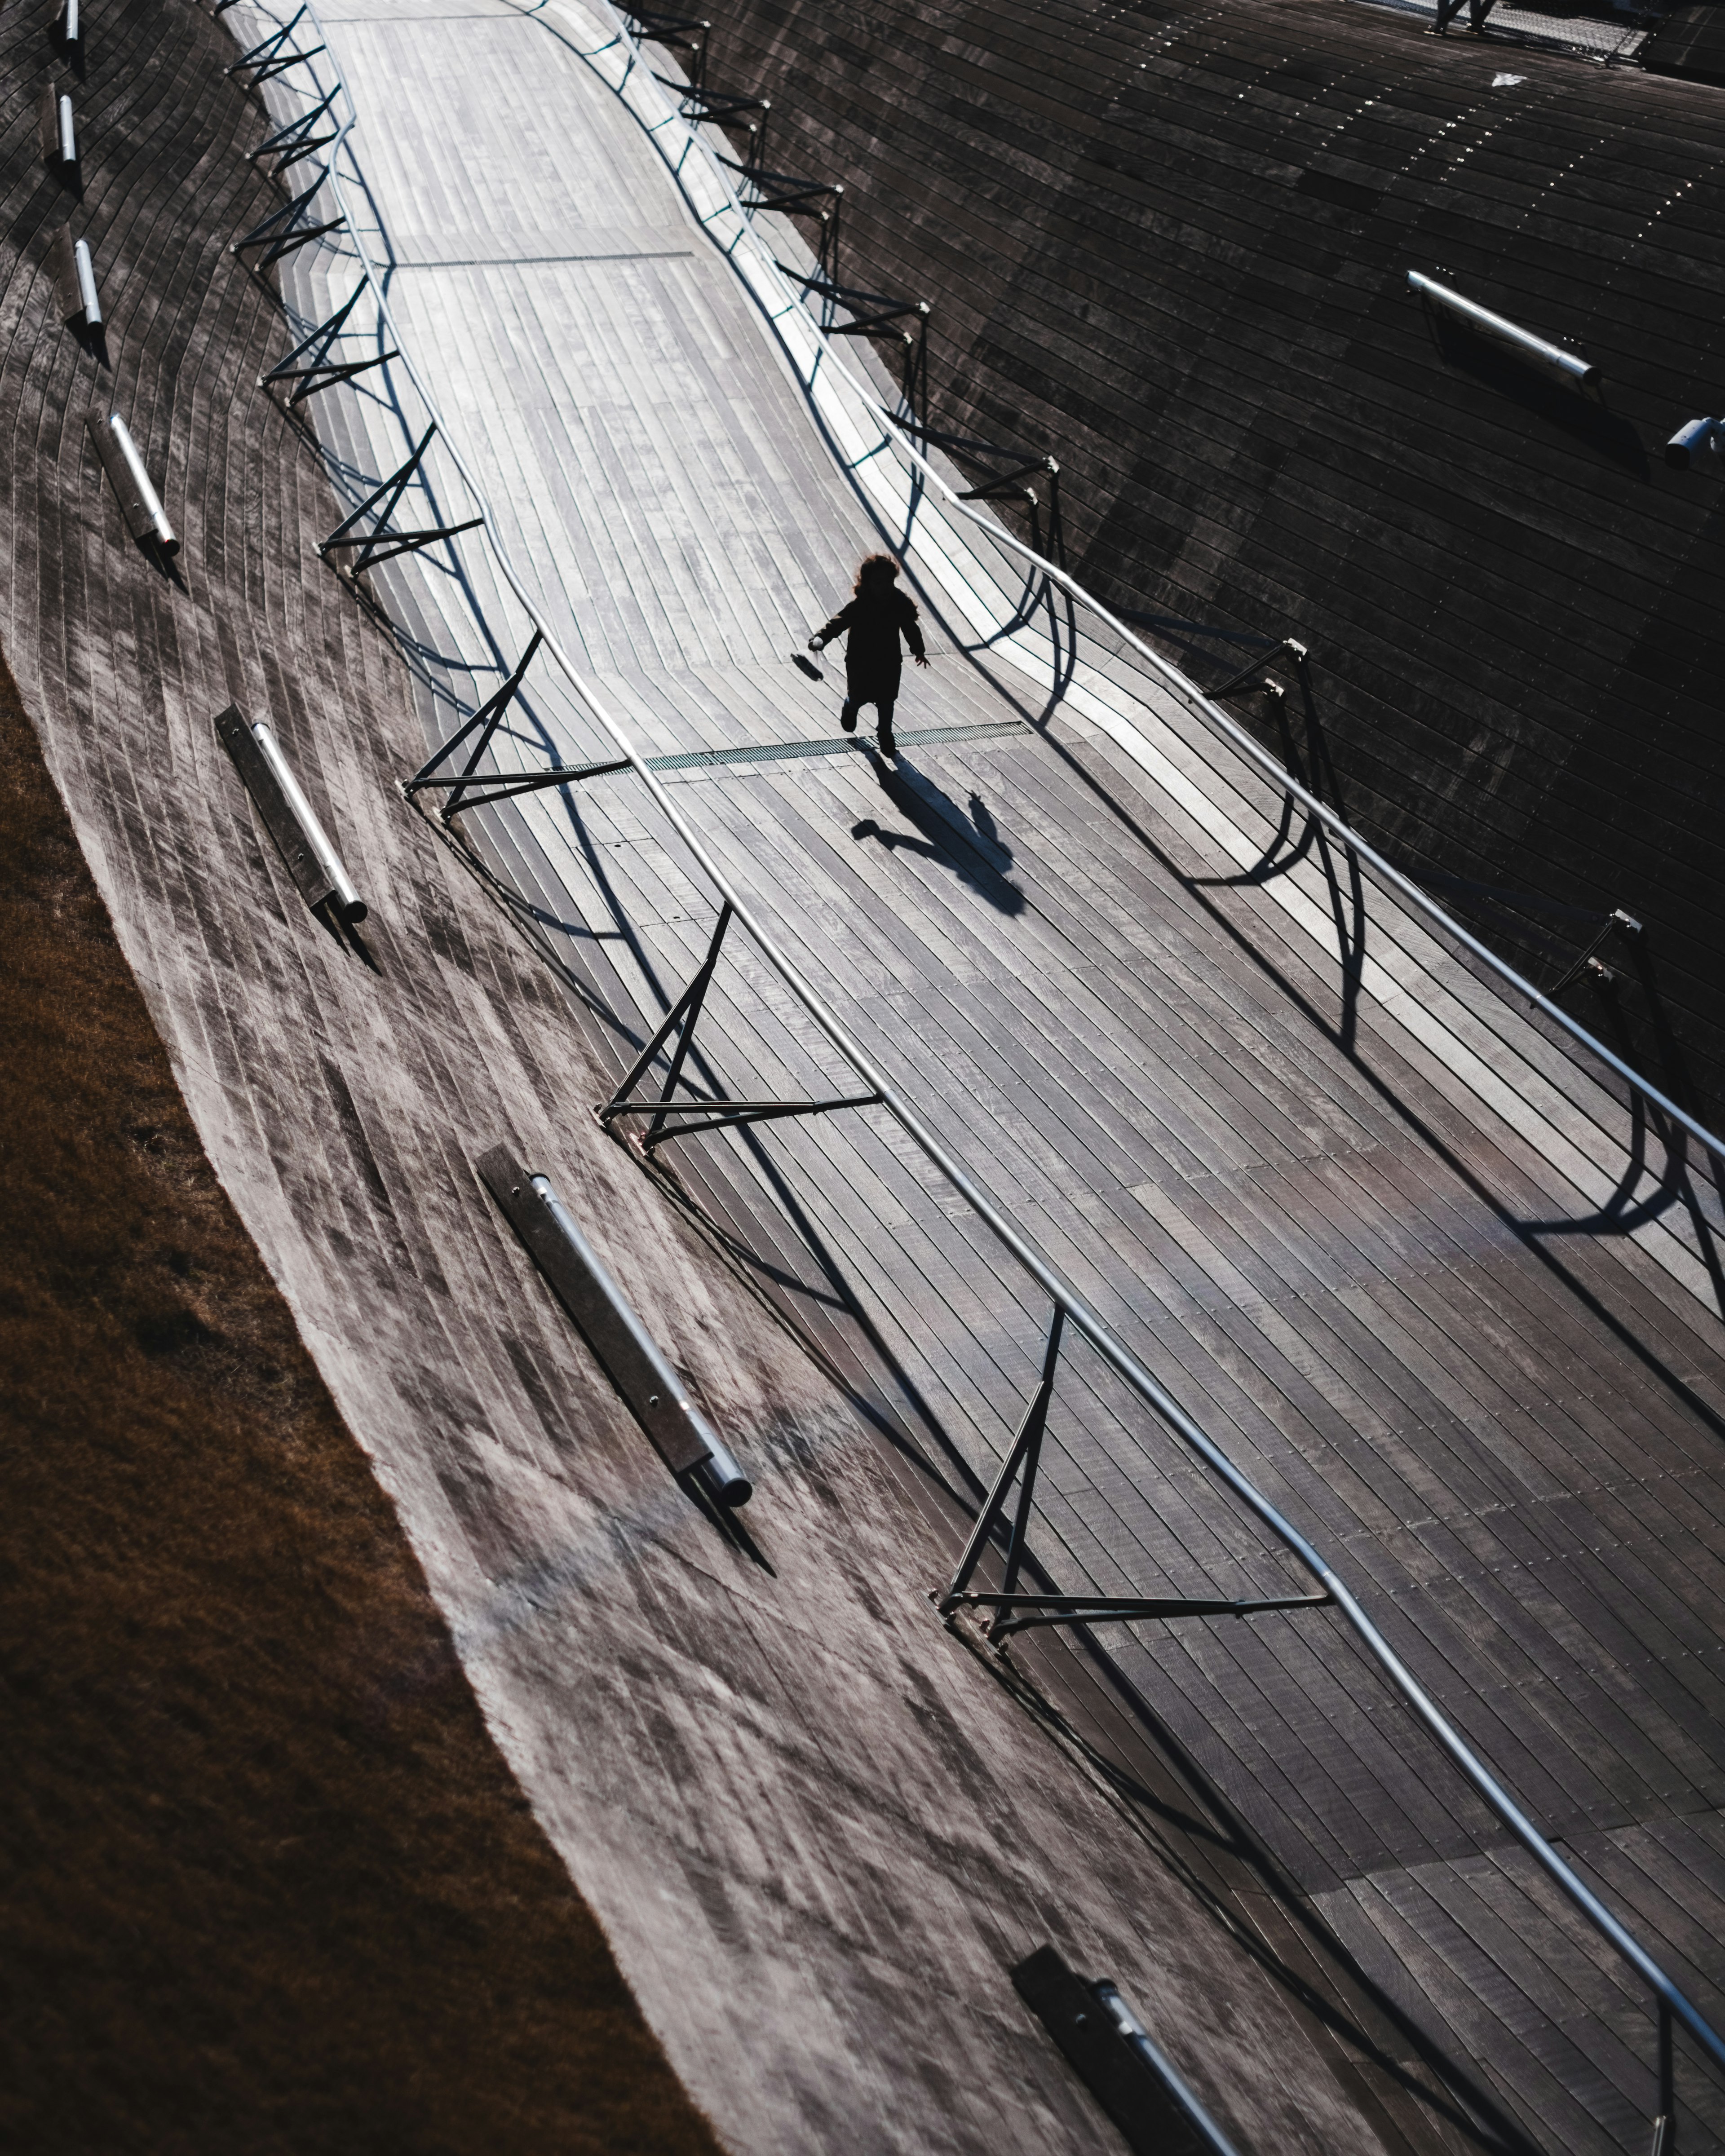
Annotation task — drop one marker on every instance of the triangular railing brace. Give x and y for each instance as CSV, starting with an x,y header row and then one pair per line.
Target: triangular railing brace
x,y
380,544
266,59
680,33
497,787
1020,1612
289,144
280,234
784,190
861,324
1001,485
323,372
721,107
715,1115
870,315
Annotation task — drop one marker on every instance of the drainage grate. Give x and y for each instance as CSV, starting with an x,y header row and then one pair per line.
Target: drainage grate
x,y
702,759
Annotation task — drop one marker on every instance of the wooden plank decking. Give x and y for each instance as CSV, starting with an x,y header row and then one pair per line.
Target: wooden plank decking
x,y
1505,1435
1506,1432
818,1829
1170,244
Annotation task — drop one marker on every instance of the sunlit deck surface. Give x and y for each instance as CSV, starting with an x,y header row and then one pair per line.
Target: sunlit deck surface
x,y
1377,1257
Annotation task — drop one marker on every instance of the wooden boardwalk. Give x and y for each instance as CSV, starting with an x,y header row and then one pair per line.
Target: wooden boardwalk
x,y
1170,244
1329,1240
818,1829
1379,1289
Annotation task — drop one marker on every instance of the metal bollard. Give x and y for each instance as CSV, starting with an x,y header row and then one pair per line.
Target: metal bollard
x,y
1138,2039
69,140
719,1475
1568,368
681,1434
1696,434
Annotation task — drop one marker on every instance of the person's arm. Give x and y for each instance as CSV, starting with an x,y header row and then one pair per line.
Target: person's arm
x,y
823,637
913,632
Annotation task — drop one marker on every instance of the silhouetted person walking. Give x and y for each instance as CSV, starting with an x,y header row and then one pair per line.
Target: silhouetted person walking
x,y
872,624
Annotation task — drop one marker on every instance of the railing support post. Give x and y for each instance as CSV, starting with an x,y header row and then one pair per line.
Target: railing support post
x,y
320,371
1026,1452
1664,2125
282,231
713,1114
683,1013
380,544
485,721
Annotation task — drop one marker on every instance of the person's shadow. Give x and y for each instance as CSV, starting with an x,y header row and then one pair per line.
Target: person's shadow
x,y
971,846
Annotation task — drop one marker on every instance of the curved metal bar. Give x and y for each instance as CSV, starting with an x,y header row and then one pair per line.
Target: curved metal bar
x,y
1113,1351
1196,699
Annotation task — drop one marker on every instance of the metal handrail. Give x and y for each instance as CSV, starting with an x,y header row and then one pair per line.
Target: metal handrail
x,y
1238,738
1484,1783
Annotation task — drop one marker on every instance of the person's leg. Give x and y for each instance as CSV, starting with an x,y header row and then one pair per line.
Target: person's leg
x,y
847,715
888,745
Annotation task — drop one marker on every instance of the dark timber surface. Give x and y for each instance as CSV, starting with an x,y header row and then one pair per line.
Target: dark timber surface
x,y
796,1803
1507,1434
819,1829
1169,243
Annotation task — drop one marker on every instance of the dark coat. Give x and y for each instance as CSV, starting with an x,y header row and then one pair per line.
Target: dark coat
x,y
872,623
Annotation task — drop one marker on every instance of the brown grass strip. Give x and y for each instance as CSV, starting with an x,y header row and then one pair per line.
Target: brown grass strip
x,y
265,1883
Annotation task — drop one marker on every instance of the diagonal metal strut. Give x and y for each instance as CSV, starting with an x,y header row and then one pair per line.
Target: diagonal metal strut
x,y
1020,1613
497,786
380,544
323,372
715,1114
267,59
289,144
281,232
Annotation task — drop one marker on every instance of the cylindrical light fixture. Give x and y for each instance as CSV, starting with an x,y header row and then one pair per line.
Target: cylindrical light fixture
x,y
84,269
346,900
681,1434
148,498
1137,2038
1697,434
68,22
69,135
1568,368
661,1392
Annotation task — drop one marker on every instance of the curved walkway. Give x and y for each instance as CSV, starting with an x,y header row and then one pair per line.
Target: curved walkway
x,y
1371,1243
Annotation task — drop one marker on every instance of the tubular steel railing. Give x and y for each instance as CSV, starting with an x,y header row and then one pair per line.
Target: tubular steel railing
x,y
1068,1308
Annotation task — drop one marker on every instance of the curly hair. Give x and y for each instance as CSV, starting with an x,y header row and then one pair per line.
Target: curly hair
x,y
876,573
